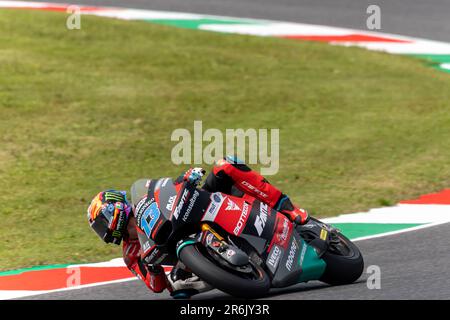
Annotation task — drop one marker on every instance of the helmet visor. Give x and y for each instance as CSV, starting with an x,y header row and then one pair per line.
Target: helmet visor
x,y
110,223
101,227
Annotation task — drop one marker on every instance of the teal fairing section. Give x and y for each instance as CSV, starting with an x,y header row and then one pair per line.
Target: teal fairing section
x,y
311,265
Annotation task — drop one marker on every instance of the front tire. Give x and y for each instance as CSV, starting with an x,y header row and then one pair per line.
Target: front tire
x,y
343,268
226,281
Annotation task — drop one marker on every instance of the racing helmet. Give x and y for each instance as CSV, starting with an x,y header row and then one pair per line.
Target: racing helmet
x,y
108,215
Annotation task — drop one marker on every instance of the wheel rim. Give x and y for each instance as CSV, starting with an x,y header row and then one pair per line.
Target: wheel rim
x,y
339,245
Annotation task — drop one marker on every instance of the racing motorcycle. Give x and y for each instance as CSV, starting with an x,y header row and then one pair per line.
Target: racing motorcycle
x,y
240,245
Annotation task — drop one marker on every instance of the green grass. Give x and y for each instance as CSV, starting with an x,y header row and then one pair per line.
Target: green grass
x,y
90,109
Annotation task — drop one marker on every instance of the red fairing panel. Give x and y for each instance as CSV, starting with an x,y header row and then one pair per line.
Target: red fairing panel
x,y
283,232
231,213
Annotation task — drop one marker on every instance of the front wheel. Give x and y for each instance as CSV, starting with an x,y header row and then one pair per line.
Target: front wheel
x,y
252,285
344,261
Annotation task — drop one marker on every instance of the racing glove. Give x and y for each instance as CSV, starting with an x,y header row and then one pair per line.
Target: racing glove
x,y
194,175
295,214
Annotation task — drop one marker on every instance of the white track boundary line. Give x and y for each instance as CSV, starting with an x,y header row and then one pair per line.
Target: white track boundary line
x,y
11,294
380,235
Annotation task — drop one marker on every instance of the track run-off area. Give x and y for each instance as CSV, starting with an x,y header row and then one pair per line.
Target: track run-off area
x,y
407,241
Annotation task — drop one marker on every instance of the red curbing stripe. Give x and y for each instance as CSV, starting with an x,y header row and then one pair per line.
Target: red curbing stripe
x,y
345,38
62,278
53,279
60,8
442,197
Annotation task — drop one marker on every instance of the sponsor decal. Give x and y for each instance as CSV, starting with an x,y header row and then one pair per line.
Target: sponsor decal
x,y
254,189
230,253
274,257
284,234
261,219
165,182
147,184
209,239
170,202
302,255
323,234
180,205
291,256
217,197
142,205
155,254
214,206
116,234
149,219
146,246
121,223
161,258
232,206
242,219
191,205
110,208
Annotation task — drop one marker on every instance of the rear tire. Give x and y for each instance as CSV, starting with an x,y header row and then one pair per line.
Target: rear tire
x,y
222,279
342,269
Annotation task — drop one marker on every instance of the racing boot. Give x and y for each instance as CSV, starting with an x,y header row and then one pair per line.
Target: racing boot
x,y
185,284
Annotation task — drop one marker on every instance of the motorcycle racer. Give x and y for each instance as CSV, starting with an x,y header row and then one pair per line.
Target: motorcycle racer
x,y
113,218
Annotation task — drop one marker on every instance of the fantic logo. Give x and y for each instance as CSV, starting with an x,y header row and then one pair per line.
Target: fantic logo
x,y
274,257
291,256
261,219
232,206
233,142
242,219
181,203
254,189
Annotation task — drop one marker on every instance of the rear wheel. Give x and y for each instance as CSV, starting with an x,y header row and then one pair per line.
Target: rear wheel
x,y
245,285
344,261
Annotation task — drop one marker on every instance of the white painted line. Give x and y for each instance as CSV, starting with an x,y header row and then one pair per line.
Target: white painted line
x,y
116,262
22,4
398,231
136,14
401,213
